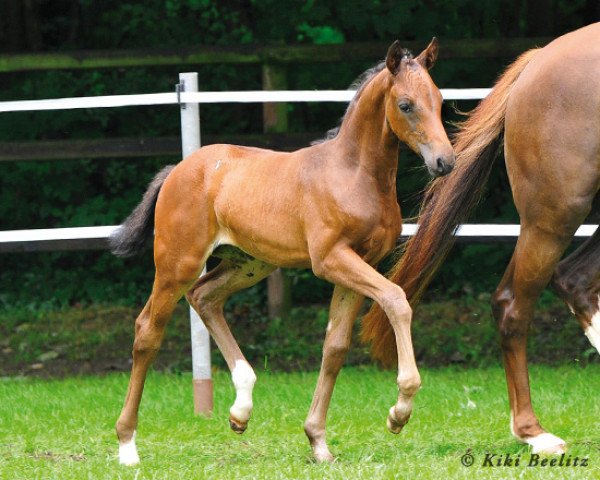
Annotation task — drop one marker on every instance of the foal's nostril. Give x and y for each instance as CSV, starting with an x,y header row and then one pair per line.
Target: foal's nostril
x,y
440,164
443,167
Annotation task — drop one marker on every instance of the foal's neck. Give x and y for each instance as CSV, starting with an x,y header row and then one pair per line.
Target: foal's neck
x,y
368,140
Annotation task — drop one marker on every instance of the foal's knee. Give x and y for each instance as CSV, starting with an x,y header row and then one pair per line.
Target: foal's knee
x,y
147,341
334,355
396,307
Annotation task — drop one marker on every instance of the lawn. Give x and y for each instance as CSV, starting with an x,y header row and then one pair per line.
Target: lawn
x,y
64,428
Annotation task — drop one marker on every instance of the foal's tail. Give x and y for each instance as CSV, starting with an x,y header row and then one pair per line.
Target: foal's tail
x,y
133,235
447,203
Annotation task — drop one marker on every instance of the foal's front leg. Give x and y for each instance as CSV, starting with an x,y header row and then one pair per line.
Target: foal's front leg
x,y
342,266
345,305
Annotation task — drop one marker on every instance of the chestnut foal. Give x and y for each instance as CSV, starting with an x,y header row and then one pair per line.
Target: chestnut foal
x,y
331,207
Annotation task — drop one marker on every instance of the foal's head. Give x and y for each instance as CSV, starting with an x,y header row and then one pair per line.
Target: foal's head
x,y
413,107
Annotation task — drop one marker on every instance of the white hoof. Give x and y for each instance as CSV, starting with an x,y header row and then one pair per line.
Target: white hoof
x,y
547,443
128,454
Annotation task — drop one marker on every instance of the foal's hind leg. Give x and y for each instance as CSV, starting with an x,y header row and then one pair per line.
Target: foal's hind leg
x,y
577,281
149,332
345,305
208,296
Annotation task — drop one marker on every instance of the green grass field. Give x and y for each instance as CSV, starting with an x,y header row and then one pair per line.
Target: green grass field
x,y
64,428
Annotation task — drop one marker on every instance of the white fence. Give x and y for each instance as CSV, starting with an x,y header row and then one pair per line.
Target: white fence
x,y
188,98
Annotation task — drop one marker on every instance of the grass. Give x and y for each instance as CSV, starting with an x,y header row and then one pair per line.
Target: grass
x,y
64,428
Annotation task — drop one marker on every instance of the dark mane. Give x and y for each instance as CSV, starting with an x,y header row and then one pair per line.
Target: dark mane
x,y
359,85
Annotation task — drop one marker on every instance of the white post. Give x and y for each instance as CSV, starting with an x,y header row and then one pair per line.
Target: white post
x,y
201,374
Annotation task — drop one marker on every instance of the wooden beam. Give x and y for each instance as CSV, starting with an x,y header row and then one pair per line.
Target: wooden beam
x,y
142,147
275,120
257,54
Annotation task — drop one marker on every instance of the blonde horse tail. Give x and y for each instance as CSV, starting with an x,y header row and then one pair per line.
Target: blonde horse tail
x,y
447,203
138,228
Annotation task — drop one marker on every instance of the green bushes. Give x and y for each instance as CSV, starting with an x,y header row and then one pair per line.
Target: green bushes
x,y
98,339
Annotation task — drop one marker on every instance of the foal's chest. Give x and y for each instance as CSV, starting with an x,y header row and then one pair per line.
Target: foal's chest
x,y
382,235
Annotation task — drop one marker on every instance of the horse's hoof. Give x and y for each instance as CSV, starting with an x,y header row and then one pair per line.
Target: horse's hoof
x,y
237,426
547,444
394,425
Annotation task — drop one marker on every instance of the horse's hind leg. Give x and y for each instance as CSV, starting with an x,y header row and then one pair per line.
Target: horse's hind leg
x,y
208,297
345,305
577,281
528,273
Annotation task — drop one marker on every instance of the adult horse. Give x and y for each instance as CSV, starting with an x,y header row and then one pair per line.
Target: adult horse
x,y
331,207
546,108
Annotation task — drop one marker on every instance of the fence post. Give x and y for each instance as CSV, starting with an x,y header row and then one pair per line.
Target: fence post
x,y
275,121
201,370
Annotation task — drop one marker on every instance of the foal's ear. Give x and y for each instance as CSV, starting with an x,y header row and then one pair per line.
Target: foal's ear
x,y
393,60
428,56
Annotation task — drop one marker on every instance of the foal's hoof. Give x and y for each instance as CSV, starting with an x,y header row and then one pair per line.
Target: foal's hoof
x,y
395,424
237,426
323,456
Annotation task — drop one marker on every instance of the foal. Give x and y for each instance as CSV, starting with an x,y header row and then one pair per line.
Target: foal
x,y
331,207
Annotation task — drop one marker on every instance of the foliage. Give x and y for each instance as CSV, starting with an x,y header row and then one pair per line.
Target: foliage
x,y
47,194
98,339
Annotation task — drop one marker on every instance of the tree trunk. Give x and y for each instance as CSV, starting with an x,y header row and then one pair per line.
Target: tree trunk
x,y
14,24
540,18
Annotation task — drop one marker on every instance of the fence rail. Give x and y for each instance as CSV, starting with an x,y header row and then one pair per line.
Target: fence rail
x,y
249,96
94,238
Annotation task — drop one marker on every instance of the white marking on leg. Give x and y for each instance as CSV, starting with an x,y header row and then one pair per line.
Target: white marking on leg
x,y
546,443
128,454
512,425
542,443
593,331
243,378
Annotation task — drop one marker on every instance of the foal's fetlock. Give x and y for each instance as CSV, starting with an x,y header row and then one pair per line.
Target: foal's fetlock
x,y
398,416
316,437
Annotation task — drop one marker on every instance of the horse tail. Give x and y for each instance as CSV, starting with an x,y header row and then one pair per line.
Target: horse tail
x,y
133,235
447,203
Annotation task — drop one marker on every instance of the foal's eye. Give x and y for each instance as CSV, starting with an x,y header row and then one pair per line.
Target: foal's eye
x,y
405,107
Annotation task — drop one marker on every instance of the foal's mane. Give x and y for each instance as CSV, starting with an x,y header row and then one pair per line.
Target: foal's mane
x,y
359,85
